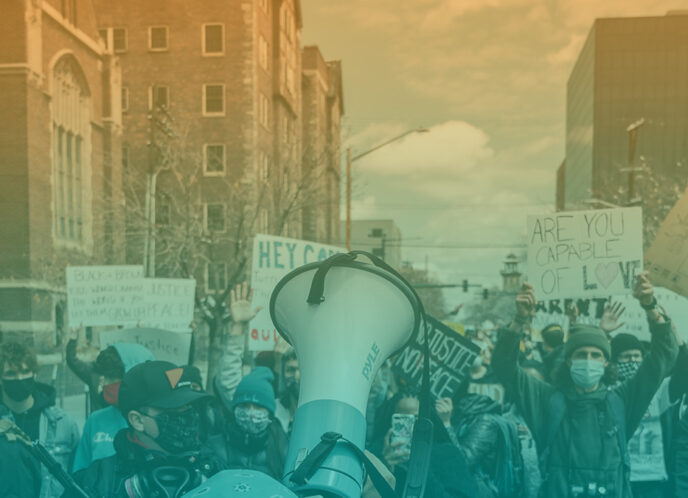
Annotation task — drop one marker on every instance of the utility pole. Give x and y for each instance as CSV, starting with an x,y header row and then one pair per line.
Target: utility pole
x,y
348,199
632,141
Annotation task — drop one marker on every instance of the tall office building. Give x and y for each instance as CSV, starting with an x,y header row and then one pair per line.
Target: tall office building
x,y
627,112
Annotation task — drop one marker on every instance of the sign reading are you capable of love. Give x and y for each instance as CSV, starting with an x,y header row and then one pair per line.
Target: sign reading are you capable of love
x,y
592,253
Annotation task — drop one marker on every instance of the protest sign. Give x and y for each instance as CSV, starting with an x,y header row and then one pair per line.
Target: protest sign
x,y
667,257
590,311
273,258
451,357
165,345
104,295
585,253
169,303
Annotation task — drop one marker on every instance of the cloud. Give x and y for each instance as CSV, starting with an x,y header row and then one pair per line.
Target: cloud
x,y
568,53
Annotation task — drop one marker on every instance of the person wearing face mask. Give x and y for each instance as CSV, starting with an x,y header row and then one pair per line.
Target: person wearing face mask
x,y
161,452
582,423
647,449
102,425
254,438
31,406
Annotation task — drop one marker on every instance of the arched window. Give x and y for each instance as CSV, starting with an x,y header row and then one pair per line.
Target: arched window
x,y
71,141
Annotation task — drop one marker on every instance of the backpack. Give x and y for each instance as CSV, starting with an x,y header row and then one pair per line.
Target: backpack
x,y
507,480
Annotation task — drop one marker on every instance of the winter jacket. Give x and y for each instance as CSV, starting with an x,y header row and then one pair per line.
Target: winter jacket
x,y
58,432
20,472
585,448
132,462
102,426
266,453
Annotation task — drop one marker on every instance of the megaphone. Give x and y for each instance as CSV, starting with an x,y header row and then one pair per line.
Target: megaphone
x,y
344,318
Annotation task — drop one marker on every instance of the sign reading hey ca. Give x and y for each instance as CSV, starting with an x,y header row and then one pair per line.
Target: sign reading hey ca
x,y
273,258
585,253
120,295
451,357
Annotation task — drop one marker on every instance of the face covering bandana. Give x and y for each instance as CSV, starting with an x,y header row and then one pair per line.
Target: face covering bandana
x,y
111,393
586,373
252,420
627,369
179,432
18,389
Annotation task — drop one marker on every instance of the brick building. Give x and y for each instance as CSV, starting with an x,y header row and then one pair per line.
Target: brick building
x,y
323,107
216,87
60,174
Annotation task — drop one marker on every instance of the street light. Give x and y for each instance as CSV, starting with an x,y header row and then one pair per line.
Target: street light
x,y
350,160
632,130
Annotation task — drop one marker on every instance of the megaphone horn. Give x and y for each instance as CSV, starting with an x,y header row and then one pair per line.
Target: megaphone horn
x,y
344,318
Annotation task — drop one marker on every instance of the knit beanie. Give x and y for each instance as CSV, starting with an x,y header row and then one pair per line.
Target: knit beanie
x,y
625,342
586,335
256,388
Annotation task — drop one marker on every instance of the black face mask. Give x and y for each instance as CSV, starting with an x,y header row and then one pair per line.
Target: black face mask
x,y
18,389
179,432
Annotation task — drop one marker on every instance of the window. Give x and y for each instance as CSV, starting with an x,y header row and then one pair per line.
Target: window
x,y
215,217
216,276
159,96
263,110
263,166
157,38
213,39
119,39
71,149
125,99
263,221
214,159
125,158
376,232
263,52
163,211
213,100
103,33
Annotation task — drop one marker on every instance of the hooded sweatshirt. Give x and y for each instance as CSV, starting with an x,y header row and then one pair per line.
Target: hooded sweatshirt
x,y
102,426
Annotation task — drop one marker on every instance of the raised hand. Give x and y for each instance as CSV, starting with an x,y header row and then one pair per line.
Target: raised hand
x,y
525,302
610,318
643,290
445,407
240,308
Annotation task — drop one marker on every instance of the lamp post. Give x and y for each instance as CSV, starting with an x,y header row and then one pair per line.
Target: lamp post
x,y
632,141
350,159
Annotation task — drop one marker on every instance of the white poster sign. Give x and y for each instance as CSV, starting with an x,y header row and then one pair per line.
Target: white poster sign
x,y
592,253
273,258
165,345
634,317
104,295
169,303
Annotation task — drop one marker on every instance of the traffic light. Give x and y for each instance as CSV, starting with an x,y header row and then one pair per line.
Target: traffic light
x,y
485,294
464,284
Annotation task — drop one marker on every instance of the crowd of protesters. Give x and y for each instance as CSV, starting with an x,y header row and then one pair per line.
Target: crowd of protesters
x,y
588,411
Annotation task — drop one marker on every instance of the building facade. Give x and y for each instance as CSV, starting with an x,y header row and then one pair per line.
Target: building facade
x,y
627,111
211,94
323,107
60,173
382,238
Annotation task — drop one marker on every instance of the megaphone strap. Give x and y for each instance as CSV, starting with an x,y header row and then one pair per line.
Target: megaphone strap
x,y
317,457
315,296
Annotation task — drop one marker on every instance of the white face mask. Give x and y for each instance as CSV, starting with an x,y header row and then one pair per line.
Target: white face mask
x,y
252,420
586,373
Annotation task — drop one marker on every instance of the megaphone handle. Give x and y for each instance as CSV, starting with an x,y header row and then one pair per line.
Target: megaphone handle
x,y
318,455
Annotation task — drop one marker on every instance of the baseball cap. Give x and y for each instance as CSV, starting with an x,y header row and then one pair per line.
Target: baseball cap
x,y
159,384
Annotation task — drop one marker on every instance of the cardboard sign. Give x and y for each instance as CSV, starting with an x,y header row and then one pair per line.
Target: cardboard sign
x,y
165,345
273,258
451,357
635,319
667,257
169,303
104,295
592,253
119,295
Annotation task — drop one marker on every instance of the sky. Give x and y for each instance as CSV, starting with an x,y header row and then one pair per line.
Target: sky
x,y
487,78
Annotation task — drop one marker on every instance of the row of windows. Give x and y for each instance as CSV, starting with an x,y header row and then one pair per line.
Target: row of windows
x,y
213,98
212,39
215,161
